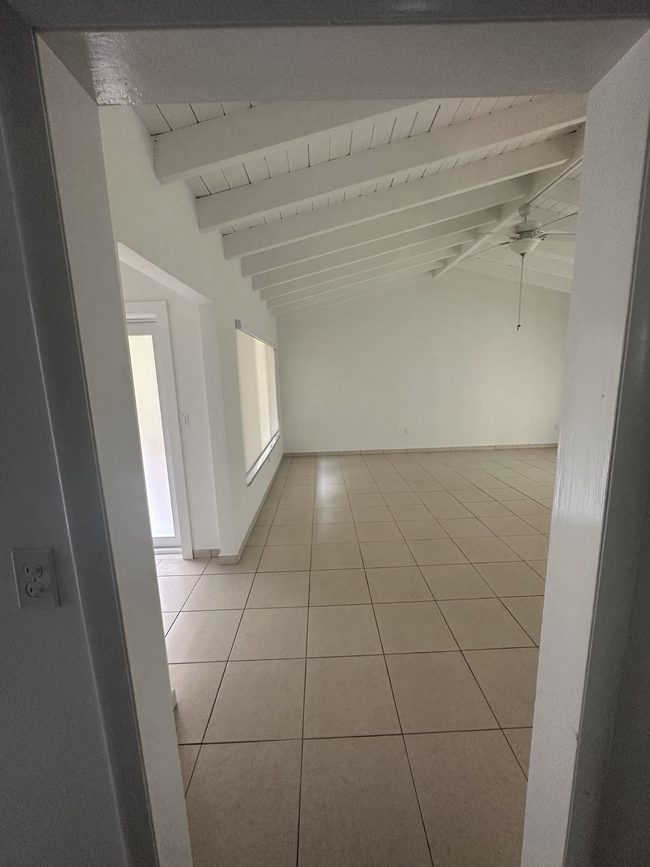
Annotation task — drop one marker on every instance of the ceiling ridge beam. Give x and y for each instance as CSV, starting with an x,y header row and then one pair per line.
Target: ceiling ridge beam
x,y
395,256
498,129
245,135
288,262
423,263
481,173
511,192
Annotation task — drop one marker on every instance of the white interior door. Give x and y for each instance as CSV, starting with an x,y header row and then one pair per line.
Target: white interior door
x,y
156,407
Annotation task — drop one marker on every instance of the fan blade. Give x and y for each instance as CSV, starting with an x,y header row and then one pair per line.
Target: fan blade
x,y
485,249
565,217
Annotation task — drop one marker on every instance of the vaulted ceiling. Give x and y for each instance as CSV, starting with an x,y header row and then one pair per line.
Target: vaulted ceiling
x,y
325,201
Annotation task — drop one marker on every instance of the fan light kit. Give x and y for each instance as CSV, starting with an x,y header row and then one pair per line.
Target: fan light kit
x,y
525,237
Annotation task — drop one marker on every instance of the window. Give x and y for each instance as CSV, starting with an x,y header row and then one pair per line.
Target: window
x,y
258,398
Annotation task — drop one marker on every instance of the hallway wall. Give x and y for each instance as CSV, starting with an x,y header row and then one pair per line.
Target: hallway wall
x,y
430,365
159,223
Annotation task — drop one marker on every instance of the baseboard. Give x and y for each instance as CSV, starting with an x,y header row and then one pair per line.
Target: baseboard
x,y
231,559
420,451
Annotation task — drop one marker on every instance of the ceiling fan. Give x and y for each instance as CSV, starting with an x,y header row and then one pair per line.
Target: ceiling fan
x,y
525,237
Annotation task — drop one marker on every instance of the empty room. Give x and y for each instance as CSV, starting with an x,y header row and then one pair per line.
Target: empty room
x,y
334,546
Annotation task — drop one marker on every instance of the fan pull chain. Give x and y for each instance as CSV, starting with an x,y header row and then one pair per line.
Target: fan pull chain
x,y
521,287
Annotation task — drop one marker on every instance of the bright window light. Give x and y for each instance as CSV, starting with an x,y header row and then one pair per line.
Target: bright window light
x,y
258,398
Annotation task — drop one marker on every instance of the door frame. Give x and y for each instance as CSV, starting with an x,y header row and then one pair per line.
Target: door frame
x,y
153,316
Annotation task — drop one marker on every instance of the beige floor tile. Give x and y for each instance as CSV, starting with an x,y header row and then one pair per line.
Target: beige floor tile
x,y
527,610
483,623
525,507
336,556
168,618
541,523
355,487
448,511
401,487
488,510
410,513
285,558
174,590
426,486
342,515
462,528
290,534
339,587
407,498
188,754
384,554
547,502
437,692
336,499
367,514
460,581
358,805
512,526
349,696
508,678
178,566
266,516
279,590
399,584
213,592
472,793
242,804
528,547
202,636
293,516
379,531
271,633
342,630
248,563
196,685
512,579
519,740
296,502
259,701
258,536
473,496
414,530
332,534
413,627
365,500
437,552
437,498
506,495
539,566
489,550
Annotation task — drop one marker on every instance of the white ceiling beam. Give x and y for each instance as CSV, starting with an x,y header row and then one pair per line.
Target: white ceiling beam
x,y
417,192
566,191
499,129
511,192
244,135
290,259
412,266
542,184
511,272
349,295
350,292
396,256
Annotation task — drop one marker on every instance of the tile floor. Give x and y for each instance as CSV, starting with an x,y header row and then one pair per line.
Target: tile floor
x,y
358,690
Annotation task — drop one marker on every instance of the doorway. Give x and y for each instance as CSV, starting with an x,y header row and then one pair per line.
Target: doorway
x,y
158,424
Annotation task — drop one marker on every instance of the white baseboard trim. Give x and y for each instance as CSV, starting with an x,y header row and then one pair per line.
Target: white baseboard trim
x,y
420,451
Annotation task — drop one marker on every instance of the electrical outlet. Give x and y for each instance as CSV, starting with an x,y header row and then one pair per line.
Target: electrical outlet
x,y
184,419
35,578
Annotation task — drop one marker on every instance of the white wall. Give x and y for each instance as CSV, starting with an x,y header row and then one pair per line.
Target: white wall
x,y
187,352
77,147
440,358
159,223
